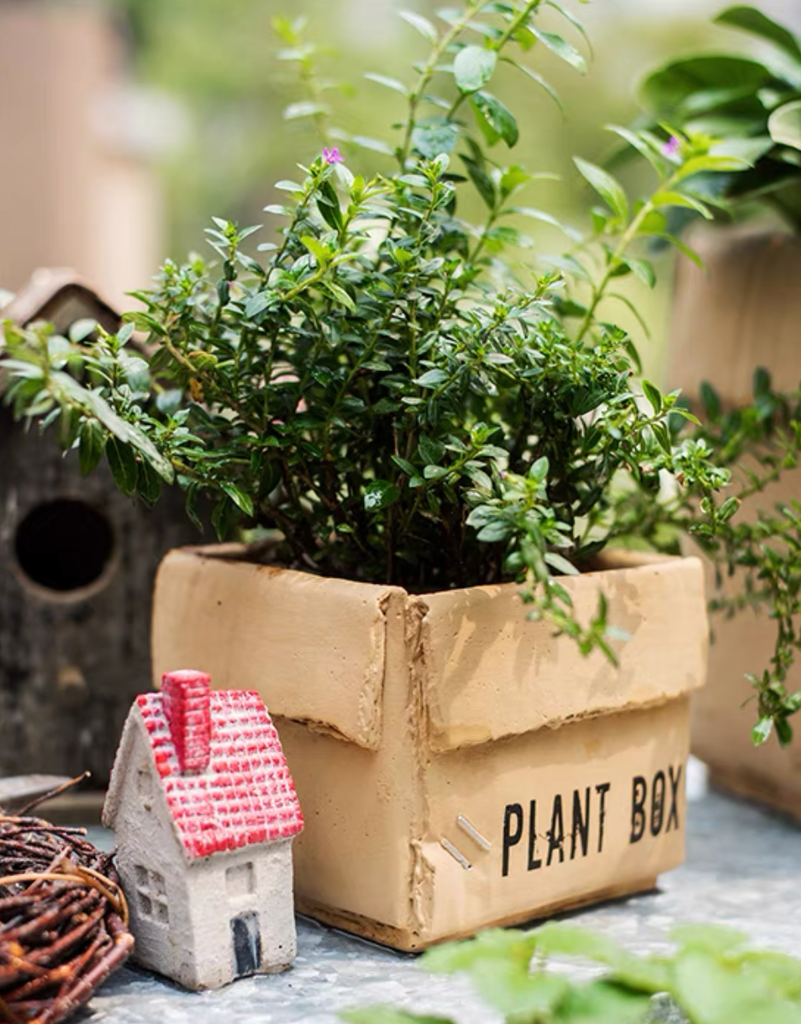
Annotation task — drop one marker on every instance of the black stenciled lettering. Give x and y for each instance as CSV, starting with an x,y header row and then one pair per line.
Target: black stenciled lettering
x,y
556,833
657,803
602,790
533,861
511,838
673,817
639,792
581,823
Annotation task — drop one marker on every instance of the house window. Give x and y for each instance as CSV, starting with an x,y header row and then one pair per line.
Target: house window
x,y
151,895
240,879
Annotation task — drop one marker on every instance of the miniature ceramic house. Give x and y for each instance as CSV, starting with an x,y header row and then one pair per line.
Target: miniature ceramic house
x,y
204,810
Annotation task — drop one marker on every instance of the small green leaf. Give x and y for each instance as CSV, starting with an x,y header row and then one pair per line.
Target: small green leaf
x,y
390,83
539,469
242,500
639,142
380,494
483,182
431,451
610,190
717,164
81,330
148,484
728,509
494,532
257,304
305,108
473,68
404,465
423,25
431,378
643,270
494,119
435,136
761,731
328,205
317,249
784,125
512,179
560,563
90,446
561,48
653,394
338,292
666,199
123,465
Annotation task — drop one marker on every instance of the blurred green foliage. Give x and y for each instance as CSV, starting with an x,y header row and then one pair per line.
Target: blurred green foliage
x,y
712,976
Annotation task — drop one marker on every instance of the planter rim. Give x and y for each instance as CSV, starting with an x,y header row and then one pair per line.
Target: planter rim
x,y
612,561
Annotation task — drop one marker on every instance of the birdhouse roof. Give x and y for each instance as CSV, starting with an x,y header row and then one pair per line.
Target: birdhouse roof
x,y
245,793
61,296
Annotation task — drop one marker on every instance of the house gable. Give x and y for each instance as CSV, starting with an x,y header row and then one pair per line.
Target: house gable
x,y
136,804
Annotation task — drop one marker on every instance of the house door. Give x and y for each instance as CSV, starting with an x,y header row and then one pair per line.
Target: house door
x,y
247,943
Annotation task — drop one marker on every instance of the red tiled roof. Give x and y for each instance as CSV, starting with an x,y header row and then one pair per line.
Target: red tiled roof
x,y
245,795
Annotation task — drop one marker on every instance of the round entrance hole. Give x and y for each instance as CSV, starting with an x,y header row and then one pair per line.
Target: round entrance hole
x,y
64,546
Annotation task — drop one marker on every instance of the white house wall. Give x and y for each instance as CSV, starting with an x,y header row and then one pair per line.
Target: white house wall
x,y
217,895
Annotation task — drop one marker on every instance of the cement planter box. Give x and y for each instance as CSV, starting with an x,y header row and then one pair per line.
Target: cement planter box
x,y
740,312
456,764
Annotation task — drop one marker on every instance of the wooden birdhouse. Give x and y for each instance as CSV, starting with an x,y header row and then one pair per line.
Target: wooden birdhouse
x,y
204,810
77,564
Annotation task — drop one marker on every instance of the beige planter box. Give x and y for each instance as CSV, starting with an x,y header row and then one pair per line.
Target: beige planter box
x,y
456,764
740,312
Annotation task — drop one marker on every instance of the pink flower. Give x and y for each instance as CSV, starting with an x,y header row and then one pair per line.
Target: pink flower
x,y
672,147
332,155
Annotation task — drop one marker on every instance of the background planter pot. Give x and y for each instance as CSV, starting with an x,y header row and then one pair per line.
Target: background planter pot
x,y
457,765
741,312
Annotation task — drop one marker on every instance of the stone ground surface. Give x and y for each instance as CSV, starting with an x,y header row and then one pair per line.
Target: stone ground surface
x,y
741,870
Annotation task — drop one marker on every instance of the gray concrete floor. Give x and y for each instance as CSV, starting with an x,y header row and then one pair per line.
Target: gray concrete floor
x,y
741,870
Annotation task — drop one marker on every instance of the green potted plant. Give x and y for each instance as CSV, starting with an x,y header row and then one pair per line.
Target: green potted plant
x,y
484,706
735,329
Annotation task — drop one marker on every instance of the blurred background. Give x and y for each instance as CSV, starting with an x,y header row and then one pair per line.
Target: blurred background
x,y
127,124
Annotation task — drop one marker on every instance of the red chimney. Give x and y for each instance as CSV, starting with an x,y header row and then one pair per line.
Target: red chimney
x,y
186,706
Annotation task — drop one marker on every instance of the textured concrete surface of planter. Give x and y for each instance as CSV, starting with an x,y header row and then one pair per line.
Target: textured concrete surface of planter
x,y
742,311
457,765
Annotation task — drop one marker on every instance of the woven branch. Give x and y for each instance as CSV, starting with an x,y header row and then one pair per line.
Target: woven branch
x,y
63,921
